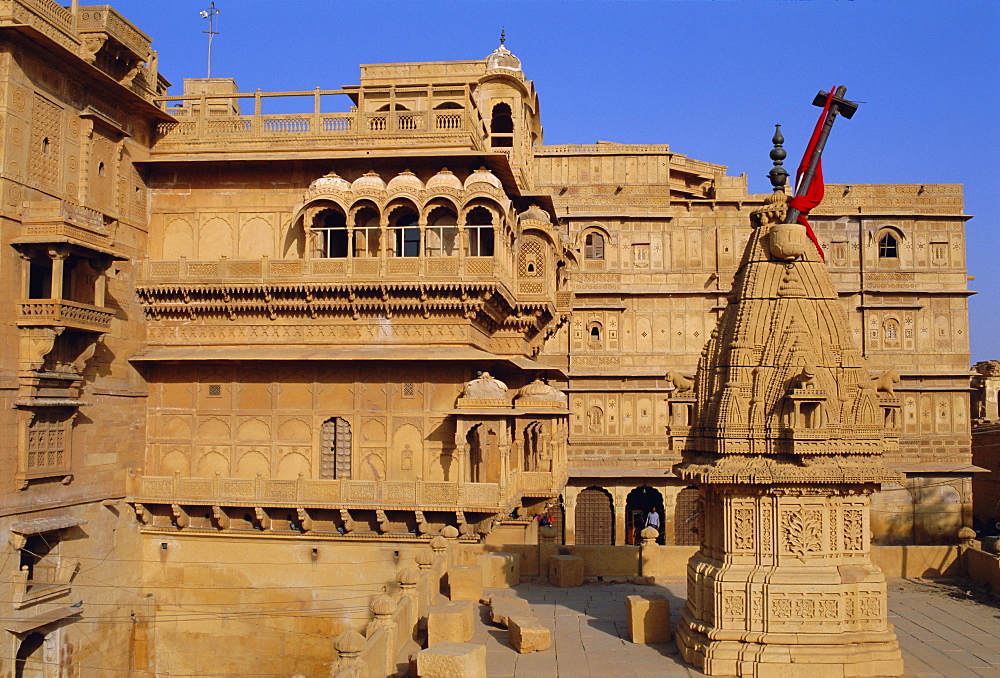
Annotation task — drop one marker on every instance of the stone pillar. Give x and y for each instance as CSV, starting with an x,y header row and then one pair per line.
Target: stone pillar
x,y
619,496
569,522
58,258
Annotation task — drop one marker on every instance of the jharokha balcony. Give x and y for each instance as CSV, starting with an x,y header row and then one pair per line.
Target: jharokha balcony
x,y
63,313
354,508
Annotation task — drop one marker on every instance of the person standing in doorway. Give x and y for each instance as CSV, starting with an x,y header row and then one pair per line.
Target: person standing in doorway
x,y
653,520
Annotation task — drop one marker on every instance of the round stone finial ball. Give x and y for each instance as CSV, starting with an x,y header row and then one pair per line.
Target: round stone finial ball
x,y
349,642
450,532
406,577
382,605
439,543
966,533
425,558
649,533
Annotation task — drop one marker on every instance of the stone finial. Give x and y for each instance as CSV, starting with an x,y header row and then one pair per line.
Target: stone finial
x,y
649,535
406,578
425,559
778,175
449,532
382,605
966,536
439,543
350,643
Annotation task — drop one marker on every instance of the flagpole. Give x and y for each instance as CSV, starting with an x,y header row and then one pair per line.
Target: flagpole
x,y
835,107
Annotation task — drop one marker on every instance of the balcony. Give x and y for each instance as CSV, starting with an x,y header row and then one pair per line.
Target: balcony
x,y
208,123
63,313
347,494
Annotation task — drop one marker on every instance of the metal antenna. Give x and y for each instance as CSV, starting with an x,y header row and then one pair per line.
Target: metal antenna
x,y
210,14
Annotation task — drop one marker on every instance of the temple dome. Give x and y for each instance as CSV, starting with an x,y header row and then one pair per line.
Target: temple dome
x,y
444,179
502,59
534,213
483,176
369,180
405,181
330,182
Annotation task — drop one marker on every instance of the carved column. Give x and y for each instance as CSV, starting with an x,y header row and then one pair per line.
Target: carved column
x,y
569,523
58,258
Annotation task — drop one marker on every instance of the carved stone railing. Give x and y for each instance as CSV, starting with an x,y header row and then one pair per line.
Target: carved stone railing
x,y
319,270
63,313
451,127
317,493
47,17
105,19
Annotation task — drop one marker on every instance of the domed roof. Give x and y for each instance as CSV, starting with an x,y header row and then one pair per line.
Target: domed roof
x,y
369,180
539,390
483,176
405,181
534,213
502,59
444,179
330,182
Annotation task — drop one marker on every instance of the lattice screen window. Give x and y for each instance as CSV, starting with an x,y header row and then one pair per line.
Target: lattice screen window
x,y
687,515
45,142
408,390
335,449
530,260
594,517
48,442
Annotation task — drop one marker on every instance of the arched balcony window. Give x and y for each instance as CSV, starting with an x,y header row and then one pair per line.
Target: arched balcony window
x,y
406,235
367,234
593,248
479,227
331,225
501,127
441,234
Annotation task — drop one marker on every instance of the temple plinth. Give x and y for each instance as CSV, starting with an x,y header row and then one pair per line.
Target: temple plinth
x,y
786,449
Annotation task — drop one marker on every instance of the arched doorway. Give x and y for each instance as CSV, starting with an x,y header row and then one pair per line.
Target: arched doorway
x,y
595,517
638,505
29,662
687,516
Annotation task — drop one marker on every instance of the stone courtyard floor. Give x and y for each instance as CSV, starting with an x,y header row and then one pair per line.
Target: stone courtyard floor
x,y
942,630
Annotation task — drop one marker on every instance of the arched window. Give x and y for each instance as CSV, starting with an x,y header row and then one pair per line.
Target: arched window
x,y
441,235
502,127
479,226
888,247
331,224
406,235
595,333
335,449
593,246
367,234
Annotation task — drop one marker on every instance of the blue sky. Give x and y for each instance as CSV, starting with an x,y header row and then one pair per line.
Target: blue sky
x,y
708,78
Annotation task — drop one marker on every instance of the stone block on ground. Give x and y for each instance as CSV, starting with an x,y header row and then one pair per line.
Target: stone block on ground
x,y
502,607
527,634
452,660
450,623
500,570
566,571
465,583
648,618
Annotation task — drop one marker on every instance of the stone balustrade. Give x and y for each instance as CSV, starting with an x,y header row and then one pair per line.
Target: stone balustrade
x,y
451,127
63,313
332,493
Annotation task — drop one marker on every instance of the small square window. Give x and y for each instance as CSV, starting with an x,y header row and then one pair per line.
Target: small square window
x,y
408,389
215,390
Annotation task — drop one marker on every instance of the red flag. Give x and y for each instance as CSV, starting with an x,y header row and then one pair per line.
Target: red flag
x,y
814,194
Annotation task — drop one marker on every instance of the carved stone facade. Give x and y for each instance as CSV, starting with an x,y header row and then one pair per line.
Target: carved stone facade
x,y
228,331
786,448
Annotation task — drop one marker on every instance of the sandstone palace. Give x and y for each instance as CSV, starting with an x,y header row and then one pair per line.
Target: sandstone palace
x,y
258,369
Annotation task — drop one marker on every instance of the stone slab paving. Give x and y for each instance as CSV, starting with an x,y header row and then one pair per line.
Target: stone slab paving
x,y
943,632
